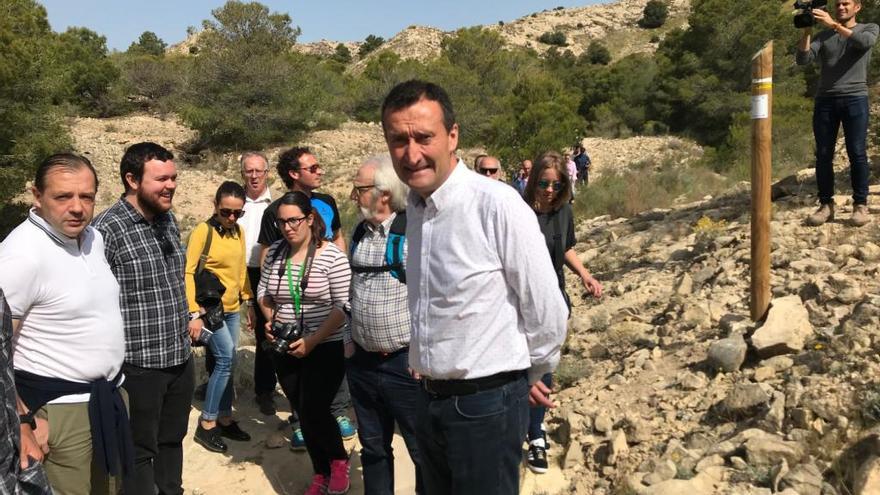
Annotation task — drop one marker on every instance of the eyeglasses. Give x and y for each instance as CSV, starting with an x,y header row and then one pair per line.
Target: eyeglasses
x,y
487,171
543,184
290,222
225,212
313,169
165,243
254,173
360,189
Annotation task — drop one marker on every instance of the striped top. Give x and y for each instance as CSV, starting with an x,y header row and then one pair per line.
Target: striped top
x,y
329,280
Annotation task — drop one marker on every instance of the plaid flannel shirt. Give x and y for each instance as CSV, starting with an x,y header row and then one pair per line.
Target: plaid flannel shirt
x,y
148,260
380,319
13,480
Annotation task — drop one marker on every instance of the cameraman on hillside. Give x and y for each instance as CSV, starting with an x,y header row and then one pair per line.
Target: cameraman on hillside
x,y
844,53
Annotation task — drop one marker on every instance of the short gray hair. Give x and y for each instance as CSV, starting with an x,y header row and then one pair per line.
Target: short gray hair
x,y
251,154
386,180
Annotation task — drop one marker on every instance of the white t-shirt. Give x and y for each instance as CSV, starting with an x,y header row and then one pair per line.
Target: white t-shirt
x,y
68,302
250,222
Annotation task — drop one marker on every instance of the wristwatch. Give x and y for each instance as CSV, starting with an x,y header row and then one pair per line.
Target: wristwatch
x,y
195,315
28,419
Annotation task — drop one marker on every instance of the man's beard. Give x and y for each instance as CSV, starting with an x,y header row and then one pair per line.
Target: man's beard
x,y
148,204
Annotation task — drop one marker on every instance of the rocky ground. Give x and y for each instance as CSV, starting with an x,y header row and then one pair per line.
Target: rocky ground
x,y
671,389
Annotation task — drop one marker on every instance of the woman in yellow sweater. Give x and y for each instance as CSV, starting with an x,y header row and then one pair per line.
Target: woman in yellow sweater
x,y
225,258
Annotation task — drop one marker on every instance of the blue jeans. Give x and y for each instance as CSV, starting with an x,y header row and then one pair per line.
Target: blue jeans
x,y
472,444
383,392
219,394
828,114
536,414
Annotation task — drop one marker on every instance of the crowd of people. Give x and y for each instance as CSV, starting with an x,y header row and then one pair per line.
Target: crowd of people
x,y
406,324
443,314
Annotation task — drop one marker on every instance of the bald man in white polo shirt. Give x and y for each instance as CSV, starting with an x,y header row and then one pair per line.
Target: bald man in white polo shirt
x,y
69,346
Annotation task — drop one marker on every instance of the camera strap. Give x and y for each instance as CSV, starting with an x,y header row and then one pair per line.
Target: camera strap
x,y
296,290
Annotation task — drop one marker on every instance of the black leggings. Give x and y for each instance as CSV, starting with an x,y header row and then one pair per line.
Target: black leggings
x,y
310,385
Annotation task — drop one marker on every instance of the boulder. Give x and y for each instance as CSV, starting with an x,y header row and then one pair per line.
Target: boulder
x,y
744,400
786,328
771,451
867,478
728,354
805,479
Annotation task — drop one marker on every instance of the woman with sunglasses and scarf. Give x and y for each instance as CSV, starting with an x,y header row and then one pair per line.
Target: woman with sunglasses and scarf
x,y
304,285
225,259
548,192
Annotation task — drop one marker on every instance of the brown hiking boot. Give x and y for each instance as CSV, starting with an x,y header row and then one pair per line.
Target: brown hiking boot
x,y
860,216
824,214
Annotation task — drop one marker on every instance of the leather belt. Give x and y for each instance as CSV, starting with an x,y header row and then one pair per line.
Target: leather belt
x,y
448,388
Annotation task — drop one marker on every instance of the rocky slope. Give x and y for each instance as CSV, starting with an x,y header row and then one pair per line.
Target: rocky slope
x,y
614,23
675,390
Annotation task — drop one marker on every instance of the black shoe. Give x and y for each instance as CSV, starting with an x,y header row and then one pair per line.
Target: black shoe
x,y
266,404
233,432
200,391
537,458
210,439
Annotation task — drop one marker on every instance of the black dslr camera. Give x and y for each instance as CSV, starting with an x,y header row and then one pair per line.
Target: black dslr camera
x,y
804,18
285,333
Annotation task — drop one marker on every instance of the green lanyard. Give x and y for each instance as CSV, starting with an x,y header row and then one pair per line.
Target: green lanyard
x,y
294,288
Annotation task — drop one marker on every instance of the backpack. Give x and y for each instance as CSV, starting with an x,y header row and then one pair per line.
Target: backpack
x,y
393,249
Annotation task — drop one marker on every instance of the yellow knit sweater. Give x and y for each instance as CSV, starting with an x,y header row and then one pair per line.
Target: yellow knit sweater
x,y
225,259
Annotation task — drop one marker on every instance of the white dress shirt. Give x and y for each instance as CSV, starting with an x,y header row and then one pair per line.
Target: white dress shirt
x,y
483,294
250,222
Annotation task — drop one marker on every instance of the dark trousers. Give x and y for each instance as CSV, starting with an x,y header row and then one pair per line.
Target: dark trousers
x,y
310,384
159,404
264,372
828,114
383,392
472,444
339,406
536,414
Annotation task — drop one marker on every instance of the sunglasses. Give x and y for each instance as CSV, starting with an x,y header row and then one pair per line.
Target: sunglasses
x,y
544,184
225,212
487,171
290,222
313,169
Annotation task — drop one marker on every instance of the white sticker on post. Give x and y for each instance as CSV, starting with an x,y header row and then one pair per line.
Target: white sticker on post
x,y
760,107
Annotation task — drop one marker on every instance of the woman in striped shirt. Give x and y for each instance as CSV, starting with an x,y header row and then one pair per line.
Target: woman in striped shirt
x,y
304,281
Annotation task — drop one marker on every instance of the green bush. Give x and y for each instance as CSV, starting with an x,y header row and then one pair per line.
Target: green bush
x,y
341,54
370,44
654,15
598,54
645,186
148,44
247,89
554,38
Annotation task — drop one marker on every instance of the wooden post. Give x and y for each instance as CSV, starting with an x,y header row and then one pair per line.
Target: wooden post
x,y
761,113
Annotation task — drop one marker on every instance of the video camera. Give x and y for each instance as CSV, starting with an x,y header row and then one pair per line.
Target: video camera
x,y
804,18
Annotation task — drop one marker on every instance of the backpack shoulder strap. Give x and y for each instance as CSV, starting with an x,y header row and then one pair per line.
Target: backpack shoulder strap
x,y
356,236
394,247
203,258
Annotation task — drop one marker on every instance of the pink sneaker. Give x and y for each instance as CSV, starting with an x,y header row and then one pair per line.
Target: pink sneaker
x,y
339,479
318,486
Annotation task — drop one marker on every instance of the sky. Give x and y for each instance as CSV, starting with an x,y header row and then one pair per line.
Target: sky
x,y
123,21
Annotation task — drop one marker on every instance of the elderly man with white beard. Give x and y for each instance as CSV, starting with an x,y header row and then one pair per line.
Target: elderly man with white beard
x,y
382,389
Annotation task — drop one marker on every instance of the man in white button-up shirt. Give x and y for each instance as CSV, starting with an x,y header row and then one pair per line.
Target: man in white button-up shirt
x,y
487,315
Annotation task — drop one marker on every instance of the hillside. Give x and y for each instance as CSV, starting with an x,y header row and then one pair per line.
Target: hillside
x,y
614,23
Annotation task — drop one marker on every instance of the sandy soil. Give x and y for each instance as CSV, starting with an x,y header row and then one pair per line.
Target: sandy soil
x,y
254,468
